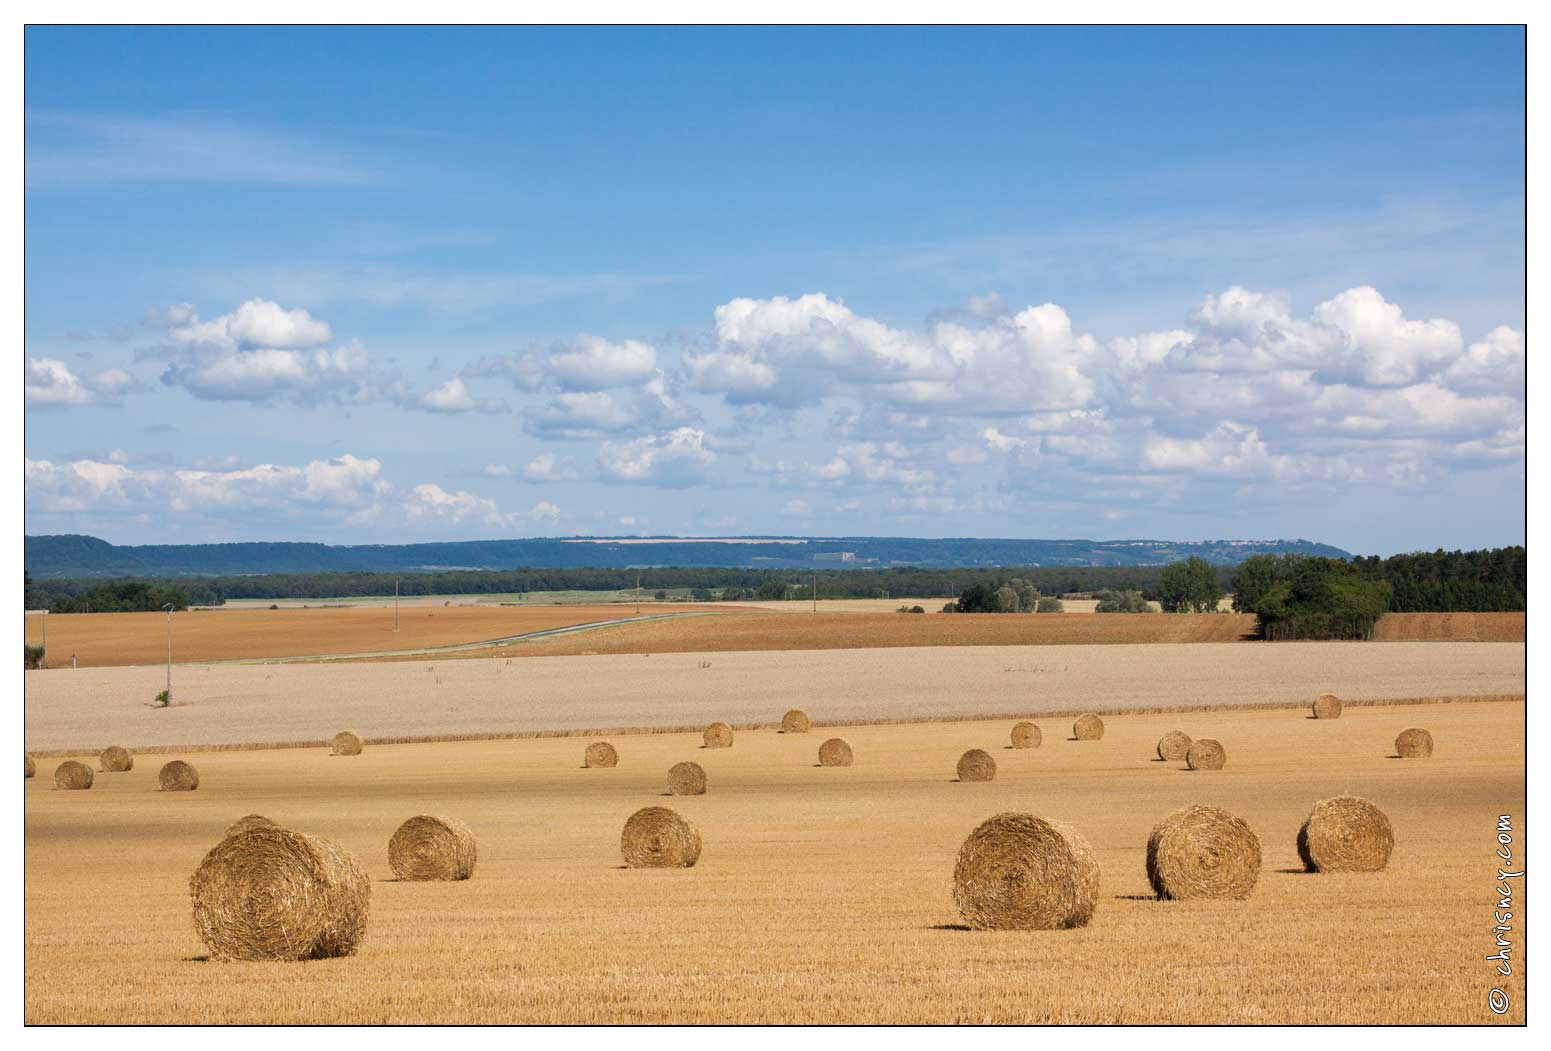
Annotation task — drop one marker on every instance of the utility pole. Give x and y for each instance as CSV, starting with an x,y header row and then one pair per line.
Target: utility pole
x,y
168,608
395,605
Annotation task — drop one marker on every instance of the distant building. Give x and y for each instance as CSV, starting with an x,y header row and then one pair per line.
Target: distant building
x,y
835,556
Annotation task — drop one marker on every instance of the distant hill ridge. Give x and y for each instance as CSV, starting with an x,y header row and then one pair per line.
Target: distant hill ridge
x,y
77,556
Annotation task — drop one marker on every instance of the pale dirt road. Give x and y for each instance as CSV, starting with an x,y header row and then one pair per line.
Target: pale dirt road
x,y
228,705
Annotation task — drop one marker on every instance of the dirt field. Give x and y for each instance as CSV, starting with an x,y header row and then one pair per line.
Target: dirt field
x,y
232,704
822,895
110,639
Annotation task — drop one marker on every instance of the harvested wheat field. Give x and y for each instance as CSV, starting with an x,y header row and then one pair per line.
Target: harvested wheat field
x,y
285,703
839,881
105,639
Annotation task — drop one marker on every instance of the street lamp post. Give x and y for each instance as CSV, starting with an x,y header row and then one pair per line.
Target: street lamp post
x,y
168,608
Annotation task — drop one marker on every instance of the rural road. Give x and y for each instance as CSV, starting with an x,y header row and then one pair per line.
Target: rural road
x,y
89,708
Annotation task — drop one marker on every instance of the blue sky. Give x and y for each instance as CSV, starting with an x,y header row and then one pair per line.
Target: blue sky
x,y
380,285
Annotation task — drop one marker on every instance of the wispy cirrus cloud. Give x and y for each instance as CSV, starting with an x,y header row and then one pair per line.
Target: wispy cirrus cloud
x,y
70,150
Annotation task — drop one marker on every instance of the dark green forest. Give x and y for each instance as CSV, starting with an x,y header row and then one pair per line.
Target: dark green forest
x,y
1439,581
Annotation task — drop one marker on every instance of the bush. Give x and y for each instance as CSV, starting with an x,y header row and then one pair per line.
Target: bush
x,y
32,656
1122,602
1322,598
950,607
1050,604
163,699
660,596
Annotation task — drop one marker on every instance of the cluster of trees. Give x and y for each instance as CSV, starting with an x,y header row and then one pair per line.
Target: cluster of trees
x,y
1018,595
1191,586
1310,598
1451,581
119,596
1122,602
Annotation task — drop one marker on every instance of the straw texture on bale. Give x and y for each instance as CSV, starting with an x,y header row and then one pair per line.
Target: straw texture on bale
x,y
835,752
686,779
346,743
1202,852
72,774
178,776
718,735
657,838
32,766
273,894
1026,735
1327,706
1414,743
601,753
1174,745
115,760
1205,754
1088,727
242,824
432,848
1345,834
1020,872
977,765
795,721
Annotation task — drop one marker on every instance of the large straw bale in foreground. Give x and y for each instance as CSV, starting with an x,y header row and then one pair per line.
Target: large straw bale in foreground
x,y
1345,834
1414,743
1174,745
686,779
346,742
795,721
115,760
1202,852
718,735
600,753
1017,871
242,824
274,894
977,765
1206,754
432,848
1088,727
1327,706
73,775
835,752
178,776
1026,735
657,838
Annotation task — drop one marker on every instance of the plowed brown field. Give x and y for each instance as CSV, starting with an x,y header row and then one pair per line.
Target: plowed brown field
x,y
822,895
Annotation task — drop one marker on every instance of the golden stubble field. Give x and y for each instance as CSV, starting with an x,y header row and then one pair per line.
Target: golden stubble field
x,y
822,895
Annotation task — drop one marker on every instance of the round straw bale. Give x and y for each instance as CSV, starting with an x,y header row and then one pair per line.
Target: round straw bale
x,y
432,848
71,774
242,824
718,735
1026,735
601,753
346,743
115,760
1345,834
32,766
1173,745
1202,852
1414,743
977,765
1020,872
686,779
273,894
795,721
657,838
1088,727
1205,754
1327,706
835,752
178,776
